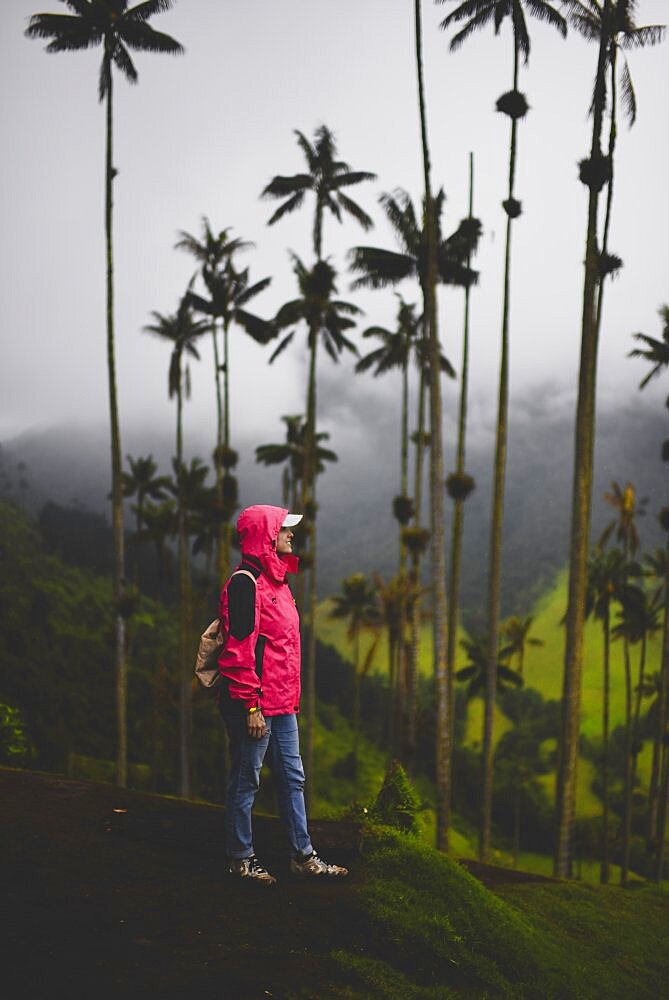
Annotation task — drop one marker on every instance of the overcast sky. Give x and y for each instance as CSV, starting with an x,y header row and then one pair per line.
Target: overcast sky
x,y
203,133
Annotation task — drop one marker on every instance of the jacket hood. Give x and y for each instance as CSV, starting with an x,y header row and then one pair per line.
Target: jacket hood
x,y
258,528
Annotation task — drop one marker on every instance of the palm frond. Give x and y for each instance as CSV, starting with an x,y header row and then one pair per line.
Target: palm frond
x,y
284,187
123,61
468,8
377,357
140,35
282,346
638,38
585,24
332,206
627,95
69,33
475,24
251,292
201,305
143,11
288,206
543,11
351,177
289,314
349,308
354,209
259,329
520,32
81,7
402,217
379,331
307,149
380,268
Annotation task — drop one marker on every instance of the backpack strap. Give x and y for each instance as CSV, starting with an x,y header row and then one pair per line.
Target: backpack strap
x,y
246,572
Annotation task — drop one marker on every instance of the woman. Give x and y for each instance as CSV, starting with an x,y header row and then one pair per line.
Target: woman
x,y
260,692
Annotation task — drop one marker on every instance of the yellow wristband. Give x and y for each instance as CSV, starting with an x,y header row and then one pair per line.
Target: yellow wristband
x,y
254,709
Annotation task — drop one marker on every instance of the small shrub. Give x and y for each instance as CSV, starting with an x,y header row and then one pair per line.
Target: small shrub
x,y
397,804
16,747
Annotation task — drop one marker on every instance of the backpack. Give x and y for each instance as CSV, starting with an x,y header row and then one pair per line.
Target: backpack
x,y
209,649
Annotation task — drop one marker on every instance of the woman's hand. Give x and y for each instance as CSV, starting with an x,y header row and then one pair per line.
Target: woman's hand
x,y
256,726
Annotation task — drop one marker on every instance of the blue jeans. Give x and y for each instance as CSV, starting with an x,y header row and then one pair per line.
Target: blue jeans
x,y
246,758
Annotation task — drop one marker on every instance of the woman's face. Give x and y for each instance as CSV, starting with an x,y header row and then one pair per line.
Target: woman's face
x,y
284,543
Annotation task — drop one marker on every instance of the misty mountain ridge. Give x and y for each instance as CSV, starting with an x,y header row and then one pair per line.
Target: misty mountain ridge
x,y
356,530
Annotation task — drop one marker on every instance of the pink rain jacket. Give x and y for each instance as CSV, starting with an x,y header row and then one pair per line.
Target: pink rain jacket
x,y
276,628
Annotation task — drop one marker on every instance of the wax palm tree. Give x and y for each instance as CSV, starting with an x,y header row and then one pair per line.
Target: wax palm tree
x,y
516,631
327,319
394,595
381,268
477,14
475,672
594,173
325,177
357,605
212,251
443,678
459,484
658,569
117,28
291,454
425,256
628,507
160,523
656,352
397,347
624,501
142,482
182,331
636,618
607,572
588,18
229,292
395,352
643,621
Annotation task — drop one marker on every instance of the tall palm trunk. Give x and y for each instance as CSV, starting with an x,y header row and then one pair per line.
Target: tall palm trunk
x,y
497,512
309,504
459,508
438,560
224,539
416,606
185,672
604,870
659,749
405,668
637,707
627,774
218,465
420,451
581,501
356,706
117,489
404,456
609,191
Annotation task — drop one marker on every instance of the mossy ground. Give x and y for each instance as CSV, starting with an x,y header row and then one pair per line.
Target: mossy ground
x,y
136,902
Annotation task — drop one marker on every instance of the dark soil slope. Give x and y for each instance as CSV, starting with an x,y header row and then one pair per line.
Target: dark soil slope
x,y
112,893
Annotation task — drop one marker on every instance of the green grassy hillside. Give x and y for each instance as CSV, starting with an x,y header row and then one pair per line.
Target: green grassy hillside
x,y
543,672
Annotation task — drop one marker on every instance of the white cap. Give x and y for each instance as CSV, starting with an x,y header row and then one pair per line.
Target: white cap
x,y
291,520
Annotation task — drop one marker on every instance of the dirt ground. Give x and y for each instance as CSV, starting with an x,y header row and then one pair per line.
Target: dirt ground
x,y
107,892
